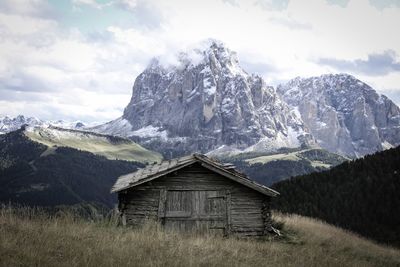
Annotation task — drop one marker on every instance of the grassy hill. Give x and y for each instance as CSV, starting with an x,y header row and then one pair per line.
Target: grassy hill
x,y
31,238
360,195
33,174
111,147
268,168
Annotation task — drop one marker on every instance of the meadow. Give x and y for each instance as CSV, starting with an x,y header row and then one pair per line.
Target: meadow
x,y
32,237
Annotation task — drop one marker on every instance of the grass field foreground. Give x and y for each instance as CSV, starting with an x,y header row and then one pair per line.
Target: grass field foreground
x,y
30,237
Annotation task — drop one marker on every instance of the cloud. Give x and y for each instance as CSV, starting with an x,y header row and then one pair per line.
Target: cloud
x,y
18,96
58,62
22,81
34,8
52,72
291,24
231,2
129,4
148,15
374,65
76,104
144,14
91,3
382,4
341,3
273,4
393,94
260,68
141,14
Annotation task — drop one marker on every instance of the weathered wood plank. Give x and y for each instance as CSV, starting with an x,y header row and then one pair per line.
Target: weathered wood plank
x,y
142,208
161,203
132,214
228,212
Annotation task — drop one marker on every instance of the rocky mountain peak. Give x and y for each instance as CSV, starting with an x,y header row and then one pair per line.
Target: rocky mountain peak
x,y
345,115
210,53
204,102
218,56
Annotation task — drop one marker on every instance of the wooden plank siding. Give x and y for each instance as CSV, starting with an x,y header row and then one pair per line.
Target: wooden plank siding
x,y
245,207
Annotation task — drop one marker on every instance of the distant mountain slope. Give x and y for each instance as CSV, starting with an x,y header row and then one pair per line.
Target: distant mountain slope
x,y
9,124
111,147
204,102
361,195
344,114
268,168
31,175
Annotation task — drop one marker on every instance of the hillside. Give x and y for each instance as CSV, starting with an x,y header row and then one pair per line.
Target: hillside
x,y
361,195
268,168
68,241
33,174
108,146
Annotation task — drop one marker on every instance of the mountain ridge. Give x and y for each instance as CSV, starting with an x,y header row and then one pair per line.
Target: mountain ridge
x,y
344,114
9,123
208,104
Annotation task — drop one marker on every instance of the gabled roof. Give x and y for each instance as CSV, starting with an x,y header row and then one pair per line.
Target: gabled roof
x,y
155,171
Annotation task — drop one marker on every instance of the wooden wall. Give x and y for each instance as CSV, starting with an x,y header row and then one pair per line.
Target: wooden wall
x,y
248,210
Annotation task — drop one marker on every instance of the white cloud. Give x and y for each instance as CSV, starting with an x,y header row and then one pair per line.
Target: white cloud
x,y
385,83
92,3
131,4
63,72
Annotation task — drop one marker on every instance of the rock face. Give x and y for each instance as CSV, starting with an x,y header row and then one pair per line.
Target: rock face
x,y
207,102
345,115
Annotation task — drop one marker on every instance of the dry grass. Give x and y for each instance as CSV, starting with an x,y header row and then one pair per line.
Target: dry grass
x,y
32,238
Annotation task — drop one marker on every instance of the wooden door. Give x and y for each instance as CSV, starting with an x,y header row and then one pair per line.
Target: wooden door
x,y
196,211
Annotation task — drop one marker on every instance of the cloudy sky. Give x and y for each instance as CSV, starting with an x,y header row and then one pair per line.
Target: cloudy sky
x,y
78,59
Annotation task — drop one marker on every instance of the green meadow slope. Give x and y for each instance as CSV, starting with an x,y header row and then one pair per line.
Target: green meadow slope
x,y
268,168
111,147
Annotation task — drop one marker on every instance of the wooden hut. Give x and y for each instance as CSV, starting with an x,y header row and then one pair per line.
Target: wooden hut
x,y
195,193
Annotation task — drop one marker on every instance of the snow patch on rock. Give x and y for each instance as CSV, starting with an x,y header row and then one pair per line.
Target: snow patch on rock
x,y
150,131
